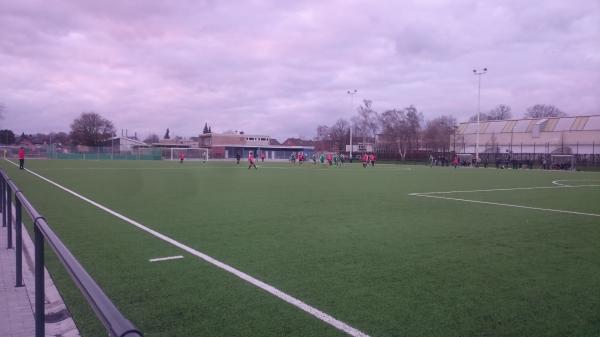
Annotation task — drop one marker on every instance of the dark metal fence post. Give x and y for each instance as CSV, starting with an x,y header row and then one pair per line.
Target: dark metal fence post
x,y
19,243
9,216
39,281
2,195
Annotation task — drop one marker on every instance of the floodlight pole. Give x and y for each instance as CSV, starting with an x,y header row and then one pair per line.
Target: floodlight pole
x,y
351,93
478,73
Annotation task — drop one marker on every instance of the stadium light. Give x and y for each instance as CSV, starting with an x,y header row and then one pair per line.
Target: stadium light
x,y
478,73
351,93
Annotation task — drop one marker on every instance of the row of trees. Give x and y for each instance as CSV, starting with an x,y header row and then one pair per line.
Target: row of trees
x,y
503,112
404,129
90,129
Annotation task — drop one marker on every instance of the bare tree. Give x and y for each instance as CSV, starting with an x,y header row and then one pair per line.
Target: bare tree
x,y
91,129
152,138
323,138
543,110
366,123
394,125
7,137
414,120
438,131
401,128
482,117
339,134
499,113
60,138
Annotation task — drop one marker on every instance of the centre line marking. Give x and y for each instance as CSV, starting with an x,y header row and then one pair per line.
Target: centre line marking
x,y
254,281
166,258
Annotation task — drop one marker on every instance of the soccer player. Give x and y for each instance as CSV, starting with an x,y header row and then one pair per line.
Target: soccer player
x,y
181,157
251,161
238,157
22,158
262,156
314,159
365,159
372,159
322,159
329,159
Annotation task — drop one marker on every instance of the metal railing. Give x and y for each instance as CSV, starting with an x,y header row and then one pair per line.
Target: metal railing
x,y
114,322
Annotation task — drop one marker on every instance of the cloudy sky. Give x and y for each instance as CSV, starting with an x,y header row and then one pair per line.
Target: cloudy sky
x,y
282,67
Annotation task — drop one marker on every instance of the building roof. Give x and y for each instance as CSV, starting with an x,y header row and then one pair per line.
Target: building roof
x,y
298,142
134,141
550,124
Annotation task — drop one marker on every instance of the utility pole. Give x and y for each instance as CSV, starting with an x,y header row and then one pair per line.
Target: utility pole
x,y
351,93
478,73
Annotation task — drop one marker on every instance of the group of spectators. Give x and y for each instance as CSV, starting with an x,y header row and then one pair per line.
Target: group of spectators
x,y
501,162
514,163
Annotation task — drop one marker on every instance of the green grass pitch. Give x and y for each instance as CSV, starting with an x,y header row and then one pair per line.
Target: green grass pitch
x,y
349,241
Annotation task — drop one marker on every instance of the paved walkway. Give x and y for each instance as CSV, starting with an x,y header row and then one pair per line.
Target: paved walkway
x,y
16,304
16,313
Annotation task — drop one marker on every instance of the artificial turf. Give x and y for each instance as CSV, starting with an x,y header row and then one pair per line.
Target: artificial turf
x,y
349,241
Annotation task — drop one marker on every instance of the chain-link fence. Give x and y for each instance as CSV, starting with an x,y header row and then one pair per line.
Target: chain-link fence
x,y
82,152
586,155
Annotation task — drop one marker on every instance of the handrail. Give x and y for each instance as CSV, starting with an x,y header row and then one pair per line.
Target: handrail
x,y
113,320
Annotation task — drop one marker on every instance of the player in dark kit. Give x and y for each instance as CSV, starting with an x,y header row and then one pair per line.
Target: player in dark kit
x,y
238,157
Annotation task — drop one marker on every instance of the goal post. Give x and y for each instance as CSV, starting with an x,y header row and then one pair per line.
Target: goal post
x,y
562,161
189,153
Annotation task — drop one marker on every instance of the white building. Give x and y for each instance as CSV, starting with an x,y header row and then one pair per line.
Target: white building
x,y
557,135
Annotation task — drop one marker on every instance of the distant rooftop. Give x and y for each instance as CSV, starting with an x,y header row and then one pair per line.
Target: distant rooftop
x,y
551,124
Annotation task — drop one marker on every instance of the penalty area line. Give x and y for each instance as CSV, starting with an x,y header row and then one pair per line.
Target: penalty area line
x,y
505,205
507,189
240,274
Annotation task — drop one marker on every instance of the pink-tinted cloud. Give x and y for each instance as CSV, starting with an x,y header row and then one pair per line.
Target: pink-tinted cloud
x,y
283,67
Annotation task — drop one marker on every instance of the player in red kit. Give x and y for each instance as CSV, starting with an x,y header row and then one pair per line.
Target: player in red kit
x,y
251,161
372,159
181,157
21,158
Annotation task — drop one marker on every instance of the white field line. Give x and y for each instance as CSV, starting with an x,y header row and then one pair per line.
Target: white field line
x,y
507,205
166,258
557,182
506,189
256,282
204,167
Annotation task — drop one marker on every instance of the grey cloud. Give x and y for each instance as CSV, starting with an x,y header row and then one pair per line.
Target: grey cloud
x,y
283,67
